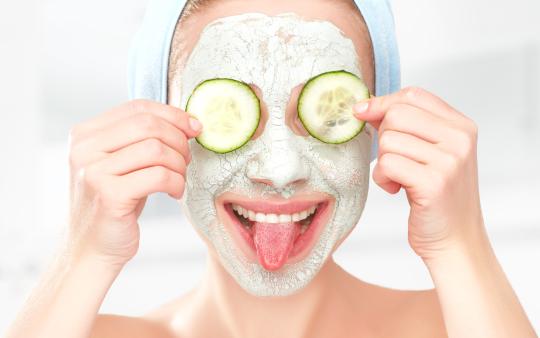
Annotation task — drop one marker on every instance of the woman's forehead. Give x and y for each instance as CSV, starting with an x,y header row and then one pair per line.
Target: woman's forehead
x,y
276,53
337,12
350,23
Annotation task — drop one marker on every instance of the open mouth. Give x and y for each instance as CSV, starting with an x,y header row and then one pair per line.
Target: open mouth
x,y
277,233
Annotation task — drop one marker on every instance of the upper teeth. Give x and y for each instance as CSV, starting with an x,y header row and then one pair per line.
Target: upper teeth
x,y
273,218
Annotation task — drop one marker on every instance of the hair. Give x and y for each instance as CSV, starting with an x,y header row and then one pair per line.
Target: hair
x,y
194,6
177,52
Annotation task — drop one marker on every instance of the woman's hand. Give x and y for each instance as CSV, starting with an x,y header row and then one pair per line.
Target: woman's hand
x,y
117,159
429,149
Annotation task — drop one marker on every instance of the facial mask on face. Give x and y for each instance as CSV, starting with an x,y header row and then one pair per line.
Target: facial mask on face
x,y
277,54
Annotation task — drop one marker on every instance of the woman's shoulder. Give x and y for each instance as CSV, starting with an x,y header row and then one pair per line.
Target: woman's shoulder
x,y
419,312
157,323
114,326
399,313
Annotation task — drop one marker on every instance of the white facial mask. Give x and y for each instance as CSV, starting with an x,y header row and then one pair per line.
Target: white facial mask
x,y
277,54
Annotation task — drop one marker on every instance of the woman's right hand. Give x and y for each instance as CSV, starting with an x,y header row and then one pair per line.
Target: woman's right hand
x,y
116,160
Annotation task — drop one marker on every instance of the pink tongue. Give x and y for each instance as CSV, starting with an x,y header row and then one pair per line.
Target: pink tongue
x,y
274,243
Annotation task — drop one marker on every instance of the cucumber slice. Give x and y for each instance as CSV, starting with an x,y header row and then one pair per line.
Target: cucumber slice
x,y
229,111
325,106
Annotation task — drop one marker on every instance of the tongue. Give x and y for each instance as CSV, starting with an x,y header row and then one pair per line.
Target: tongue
x,y
274,243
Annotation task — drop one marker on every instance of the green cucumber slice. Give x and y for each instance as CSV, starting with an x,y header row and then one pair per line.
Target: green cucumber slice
x,y
325,106
229,111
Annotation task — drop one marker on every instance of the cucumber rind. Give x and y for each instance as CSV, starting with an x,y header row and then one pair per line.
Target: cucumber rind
x,y
306,91
246,89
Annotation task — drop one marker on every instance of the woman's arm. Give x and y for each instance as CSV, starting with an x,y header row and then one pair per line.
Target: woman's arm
x,y
429,149
66,301
475,295
116,160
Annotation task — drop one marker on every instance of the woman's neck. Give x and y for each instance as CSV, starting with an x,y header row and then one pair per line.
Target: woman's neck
x,y
241,314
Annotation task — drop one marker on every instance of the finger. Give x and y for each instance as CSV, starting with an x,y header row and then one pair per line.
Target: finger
x,y
373,110
141,183
177,117
417,150
393,171
147,153
407,145
134,129
415,121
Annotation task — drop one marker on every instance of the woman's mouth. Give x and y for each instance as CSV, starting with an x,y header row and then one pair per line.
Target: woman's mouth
x,y
275,232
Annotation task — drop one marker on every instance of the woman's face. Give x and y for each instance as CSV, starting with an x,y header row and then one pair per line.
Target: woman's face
x,y
252,205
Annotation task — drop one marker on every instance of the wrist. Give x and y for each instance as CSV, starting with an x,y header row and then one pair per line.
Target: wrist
x,y
473,250
93,261
457,240
105,266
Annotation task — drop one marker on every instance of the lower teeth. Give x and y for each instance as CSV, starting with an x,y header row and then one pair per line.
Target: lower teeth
x,y
245,222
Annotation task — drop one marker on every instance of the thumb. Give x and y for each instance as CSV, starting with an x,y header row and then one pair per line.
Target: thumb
x,y
364,111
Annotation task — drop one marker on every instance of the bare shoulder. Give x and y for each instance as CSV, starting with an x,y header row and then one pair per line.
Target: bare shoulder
x,y
400,313
415,313
156,323
420,314
113,326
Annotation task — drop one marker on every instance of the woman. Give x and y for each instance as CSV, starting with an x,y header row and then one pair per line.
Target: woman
x,y
275,279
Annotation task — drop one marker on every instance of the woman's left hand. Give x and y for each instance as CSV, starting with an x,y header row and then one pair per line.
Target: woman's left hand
x,y
428,148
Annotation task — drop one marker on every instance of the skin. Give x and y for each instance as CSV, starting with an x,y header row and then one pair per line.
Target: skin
x,y
426,148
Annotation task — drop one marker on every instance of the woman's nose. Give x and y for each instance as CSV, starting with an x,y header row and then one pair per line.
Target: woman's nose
x,y
279,166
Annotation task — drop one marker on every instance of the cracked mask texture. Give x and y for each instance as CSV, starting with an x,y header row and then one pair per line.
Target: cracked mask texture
x,y
277,53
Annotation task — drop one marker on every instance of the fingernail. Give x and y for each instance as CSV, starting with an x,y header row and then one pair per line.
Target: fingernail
x,y
361,107
195,124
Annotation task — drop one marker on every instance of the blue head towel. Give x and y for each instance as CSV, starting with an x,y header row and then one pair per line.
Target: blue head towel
x,y
149,55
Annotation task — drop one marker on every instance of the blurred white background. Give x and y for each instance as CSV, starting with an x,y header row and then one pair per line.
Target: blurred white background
x,y
63,61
